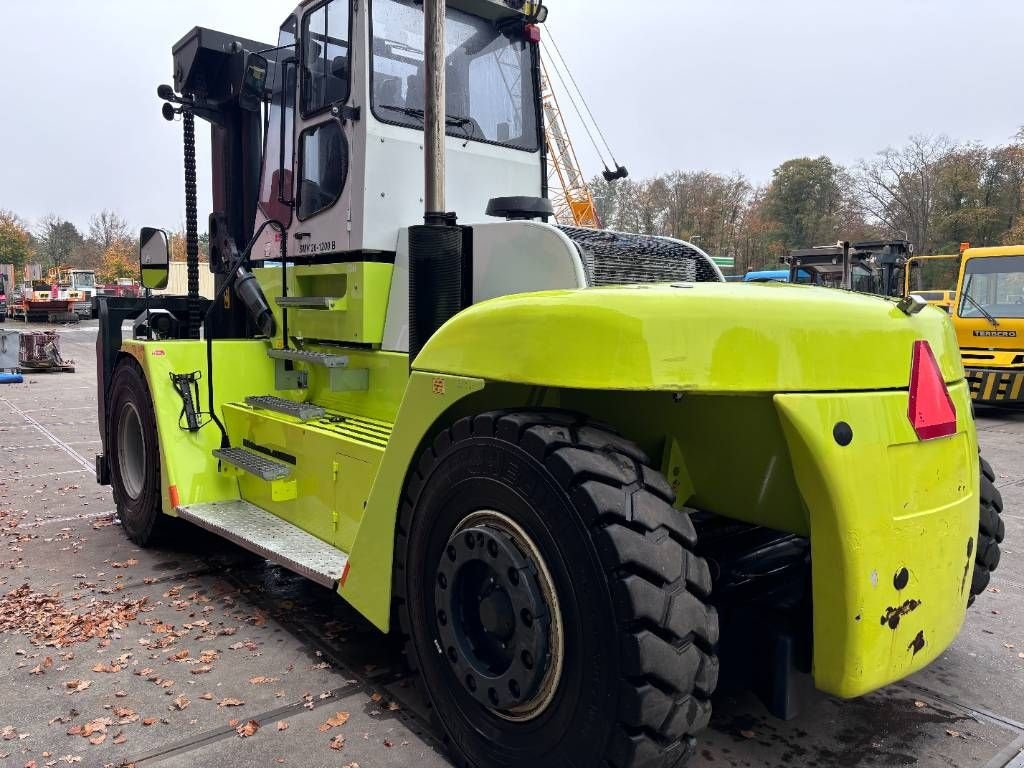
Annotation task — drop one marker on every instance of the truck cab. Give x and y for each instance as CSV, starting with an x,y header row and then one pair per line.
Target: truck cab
x,y
989,321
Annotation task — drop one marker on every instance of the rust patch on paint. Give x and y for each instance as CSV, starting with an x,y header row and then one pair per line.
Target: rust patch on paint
x,y
917,643
967,565
892,616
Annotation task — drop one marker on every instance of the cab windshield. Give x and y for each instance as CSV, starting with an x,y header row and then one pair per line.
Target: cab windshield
x,y
993,285
491,95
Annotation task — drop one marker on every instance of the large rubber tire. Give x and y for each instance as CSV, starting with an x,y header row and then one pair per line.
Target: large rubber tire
x,y
991,531
637,641
133,453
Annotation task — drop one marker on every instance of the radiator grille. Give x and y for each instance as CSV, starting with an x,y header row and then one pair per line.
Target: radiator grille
x,y
615,258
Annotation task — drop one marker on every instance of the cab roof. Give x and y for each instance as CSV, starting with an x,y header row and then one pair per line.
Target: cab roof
x,y
999,250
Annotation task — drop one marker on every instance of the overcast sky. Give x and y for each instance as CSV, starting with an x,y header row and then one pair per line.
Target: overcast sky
x,y
724,85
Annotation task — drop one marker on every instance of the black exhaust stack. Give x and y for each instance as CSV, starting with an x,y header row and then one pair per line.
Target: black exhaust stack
x,y
435,247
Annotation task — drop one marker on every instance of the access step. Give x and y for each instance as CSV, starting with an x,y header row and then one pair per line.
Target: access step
x,y
253,463
301,411
267,535
307,302
341,378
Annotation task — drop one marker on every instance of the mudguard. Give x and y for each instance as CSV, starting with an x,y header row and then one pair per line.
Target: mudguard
x,y
893,529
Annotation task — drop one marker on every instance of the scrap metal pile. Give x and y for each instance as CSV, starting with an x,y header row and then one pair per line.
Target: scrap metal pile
x,y
40,351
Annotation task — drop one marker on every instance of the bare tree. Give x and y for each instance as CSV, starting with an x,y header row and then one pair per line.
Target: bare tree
x,y
107,228
898,188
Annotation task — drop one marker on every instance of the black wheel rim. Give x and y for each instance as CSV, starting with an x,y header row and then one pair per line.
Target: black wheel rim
x,y
497,617
131,451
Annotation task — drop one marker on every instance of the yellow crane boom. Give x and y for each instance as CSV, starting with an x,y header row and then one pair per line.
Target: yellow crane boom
x,y
568,188
570,194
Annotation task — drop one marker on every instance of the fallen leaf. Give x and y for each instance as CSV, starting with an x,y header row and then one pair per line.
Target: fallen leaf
x,y
747,734
339,718
206,696
76,686
107,668
201,670
247,729
282,725
120,738
149,720
262,680
230,702
920,704
181,703
98,739
337,742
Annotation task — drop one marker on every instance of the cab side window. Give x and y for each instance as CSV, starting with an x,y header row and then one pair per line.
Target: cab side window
x,y
326,57
323,157
276,182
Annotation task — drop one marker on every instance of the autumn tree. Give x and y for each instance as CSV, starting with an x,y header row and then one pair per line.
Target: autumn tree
x,y
119,261
15,243
59,241
105,229
812,202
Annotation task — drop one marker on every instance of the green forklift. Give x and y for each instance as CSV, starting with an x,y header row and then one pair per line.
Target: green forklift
x,y
578,473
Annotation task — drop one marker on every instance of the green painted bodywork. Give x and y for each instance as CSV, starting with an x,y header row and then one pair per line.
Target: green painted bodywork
x,y
358,293
704,337
732,389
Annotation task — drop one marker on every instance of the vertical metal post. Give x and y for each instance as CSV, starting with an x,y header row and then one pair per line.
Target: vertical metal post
x,y
434,113
847,267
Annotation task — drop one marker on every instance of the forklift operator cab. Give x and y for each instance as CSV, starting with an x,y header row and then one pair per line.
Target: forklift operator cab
x,y
343,159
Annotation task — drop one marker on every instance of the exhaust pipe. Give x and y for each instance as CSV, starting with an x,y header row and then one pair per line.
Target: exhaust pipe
x,y
435,247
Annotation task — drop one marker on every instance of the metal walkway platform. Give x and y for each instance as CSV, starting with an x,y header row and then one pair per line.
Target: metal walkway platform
x,y
266,534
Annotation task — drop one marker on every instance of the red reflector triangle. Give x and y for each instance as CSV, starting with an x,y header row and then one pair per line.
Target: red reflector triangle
x,y
931,411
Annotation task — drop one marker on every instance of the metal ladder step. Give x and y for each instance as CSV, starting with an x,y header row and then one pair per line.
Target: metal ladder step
x,y
301,411
266,534
306,302
313,358
253,463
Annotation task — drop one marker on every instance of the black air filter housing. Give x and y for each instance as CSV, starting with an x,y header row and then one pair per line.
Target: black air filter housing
x,y
435,281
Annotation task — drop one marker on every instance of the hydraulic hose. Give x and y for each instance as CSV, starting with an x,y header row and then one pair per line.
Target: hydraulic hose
x,y
233,275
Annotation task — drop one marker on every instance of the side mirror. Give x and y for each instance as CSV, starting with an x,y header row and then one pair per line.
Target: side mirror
x,y
254,81
154,258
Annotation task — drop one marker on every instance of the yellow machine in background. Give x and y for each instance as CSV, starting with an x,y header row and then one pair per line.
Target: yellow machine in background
x,y
934,279
989,321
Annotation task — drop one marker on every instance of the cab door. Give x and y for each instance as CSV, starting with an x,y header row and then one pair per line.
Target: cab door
x,y
325,131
